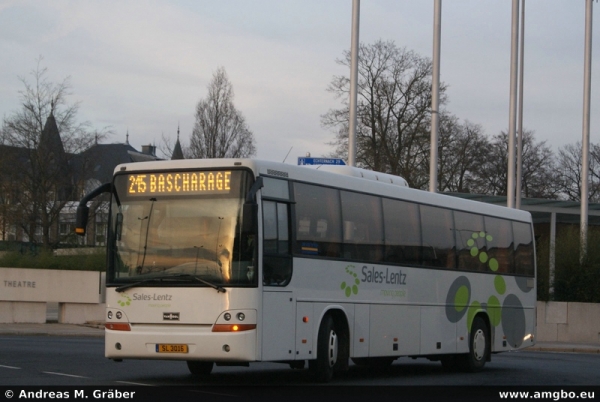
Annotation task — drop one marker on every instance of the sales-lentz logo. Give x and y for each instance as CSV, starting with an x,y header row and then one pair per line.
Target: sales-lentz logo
x,y
171,316
388,276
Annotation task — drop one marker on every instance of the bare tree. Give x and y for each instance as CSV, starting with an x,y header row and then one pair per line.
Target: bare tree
x,y
40,141
538,168
394,106
463,150
220,130
568,166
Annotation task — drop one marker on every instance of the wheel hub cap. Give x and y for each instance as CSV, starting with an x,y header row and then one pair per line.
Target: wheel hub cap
x,y
332,350
479,344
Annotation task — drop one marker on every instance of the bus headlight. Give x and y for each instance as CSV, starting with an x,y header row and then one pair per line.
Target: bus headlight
x,y
241,316
227,316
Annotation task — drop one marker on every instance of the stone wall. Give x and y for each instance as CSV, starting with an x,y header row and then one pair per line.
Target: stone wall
x,y
568,322
24,293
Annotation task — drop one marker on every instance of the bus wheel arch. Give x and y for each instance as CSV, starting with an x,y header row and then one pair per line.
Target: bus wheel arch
x,y
332,347
480,344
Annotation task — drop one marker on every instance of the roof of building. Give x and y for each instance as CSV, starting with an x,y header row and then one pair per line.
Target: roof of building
x,y
540,209
99,161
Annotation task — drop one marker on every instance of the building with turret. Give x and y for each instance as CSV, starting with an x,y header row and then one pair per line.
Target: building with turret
x,y
41,184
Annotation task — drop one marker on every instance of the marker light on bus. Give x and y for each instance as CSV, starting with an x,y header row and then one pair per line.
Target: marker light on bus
x,y
118,326
233,327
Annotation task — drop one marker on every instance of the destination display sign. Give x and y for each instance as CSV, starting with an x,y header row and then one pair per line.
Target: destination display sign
x,y
188,183
320,161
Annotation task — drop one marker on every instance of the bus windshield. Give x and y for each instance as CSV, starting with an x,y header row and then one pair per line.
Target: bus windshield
x,y
180,225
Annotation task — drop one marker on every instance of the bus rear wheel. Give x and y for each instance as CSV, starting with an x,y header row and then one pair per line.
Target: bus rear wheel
x,y
199,368
479,347
328,351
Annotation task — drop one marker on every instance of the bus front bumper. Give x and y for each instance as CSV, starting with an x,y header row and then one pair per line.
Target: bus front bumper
x,y
186,342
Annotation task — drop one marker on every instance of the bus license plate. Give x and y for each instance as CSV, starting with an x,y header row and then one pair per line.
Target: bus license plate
x,y
171,348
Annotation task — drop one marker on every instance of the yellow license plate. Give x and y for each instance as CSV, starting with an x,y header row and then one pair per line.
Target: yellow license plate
x,y
171,348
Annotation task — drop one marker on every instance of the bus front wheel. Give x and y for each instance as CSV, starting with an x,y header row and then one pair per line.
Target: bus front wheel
x,y
199,368
328,351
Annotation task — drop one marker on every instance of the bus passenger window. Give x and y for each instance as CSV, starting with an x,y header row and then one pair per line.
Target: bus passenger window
x,y
500,246
523,249
470,241
363,227
318,221
438,237
402,232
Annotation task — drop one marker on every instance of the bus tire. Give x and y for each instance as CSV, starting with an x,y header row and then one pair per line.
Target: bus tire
x,y
199,368
328,351
479,347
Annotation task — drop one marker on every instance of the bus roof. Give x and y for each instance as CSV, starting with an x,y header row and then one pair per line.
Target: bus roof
x,y
342,177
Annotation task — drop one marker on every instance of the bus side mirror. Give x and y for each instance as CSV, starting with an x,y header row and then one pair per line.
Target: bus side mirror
x,y
249,218
82,219
83,210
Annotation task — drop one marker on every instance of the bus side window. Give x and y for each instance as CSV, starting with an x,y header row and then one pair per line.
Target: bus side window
x,y
363,227
277,262
500,245
470,241
318,221
402,232
523,249
437,226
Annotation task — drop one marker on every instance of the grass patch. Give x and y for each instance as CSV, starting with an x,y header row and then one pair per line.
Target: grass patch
x,y
47,260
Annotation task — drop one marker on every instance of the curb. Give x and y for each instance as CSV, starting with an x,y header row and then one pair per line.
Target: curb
x,y
564,349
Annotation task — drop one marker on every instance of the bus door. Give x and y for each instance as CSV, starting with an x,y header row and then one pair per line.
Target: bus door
x,y
279,307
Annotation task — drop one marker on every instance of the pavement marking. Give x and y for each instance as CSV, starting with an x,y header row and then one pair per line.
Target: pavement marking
x,y
135,383
11,367
63,374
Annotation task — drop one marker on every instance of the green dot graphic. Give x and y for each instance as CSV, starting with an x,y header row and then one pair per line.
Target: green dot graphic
x,y
475,235
474,251
461,298
494,264
483,257
481,234
352,285
499,284
470,242
489,238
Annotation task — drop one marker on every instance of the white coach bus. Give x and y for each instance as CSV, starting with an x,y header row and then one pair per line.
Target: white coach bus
x,y
227,262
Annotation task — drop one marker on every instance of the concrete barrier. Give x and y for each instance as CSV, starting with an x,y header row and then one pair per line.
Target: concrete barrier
x,y
24,293
568,322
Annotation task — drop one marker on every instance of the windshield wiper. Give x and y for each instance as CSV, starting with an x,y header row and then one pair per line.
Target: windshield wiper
x,y
218,288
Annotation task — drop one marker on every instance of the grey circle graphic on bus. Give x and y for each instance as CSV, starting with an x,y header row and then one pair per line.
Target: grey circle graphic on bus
x,y
513,320
522,284
458,298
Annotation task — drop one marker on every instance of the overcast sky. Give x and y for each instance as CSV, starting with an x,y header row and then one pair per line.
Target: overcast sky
x,y
141,66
